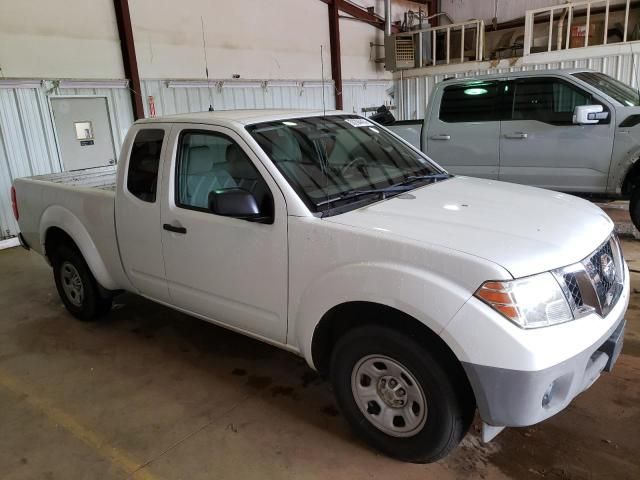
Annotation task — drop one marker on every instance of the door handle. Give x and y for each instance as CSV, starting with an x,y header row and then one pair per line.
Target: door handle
x,y
516,135
441,137
170,228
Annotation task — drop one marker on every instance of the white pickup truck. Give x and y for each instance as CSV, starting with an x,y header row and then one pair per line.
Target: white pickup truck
x,y
571,130
422,295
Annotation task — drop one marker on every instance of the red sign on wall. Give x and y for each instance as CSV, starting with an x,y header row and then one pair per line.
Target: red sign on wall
x,y
152,106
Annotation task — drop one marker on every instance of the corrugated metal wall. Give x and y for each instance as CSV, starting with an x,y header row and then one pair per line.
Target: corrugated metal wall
x,y
27,139
413,92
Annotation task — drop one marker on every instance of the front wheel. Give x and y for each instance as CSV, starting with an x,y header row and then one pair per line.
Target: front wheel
x,y
401,398
76,285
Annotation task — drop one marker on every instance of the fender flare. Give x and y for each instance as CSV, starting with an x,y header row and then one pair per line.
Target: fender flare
x,y
59,217
431,299
629,164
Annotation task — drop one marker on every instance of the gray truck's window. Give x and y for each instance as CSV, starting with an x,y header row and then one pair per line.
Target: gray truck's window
x,y
142,177
472,102
547,100
617,90
210,162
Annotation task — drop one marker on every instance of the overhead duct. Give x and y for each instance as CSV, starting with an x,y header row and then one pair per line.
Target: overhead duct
x,y
387,18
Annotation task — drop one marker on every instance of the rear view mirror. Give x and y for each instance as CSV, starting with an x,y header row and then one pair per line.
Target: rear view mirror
x,y
589,114
235,202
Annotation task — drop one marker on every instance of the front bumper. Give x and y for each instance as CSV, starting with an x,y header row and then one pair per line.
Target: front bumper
x,y
517,398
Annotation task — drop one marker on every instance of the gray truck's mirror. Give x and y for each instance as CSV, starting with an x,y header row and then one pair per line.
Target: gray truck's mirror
x,y
589,114
234,202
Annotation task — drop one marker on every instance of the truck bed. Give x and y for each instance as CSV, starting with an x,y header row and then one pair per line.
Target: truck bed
x,y
103,178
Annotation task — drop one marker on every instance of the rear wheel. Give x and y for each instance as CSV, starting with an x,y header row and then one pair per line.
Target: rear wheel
x,y
634,207
76,285
401,398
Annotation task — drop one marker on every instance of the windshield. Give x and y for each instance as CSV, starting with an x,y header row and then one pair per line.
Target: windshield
x,y
327,158
617,90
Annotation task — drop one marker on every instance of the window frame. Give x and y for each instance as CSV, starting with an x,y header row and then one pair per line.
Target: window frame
x,y
550,79
126,188
178,163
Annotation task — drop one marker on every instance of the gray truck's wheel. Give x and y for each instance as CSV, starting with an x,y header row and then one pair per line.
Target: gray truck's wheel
x,y
76,285
402,398
634,207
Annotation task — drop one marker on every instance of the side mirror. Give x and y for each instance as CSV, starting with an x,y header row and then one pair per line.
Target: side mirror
x,y
589,114
235,202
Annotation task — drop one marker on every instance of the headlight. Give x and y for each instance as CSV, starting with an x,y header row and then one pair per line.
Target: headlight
x,y
529,302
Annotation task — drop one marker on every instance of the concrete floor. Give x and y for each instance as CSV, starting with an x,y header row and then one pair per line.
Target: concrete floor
x,y
149,393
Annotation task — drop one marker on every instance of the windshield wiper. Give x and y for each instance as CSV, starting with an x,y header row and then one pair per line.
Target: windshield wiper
x,y
401,187
359,193
431,176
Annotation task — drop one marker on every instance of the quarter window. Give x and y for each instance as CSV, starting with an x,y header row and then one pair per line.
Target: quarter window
x,y
547,100
142,177
211,162
472,102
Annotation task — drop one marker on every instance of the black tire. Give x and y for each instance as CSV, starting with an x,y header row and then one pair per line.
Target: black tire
x,y
91,304
449,401
634,207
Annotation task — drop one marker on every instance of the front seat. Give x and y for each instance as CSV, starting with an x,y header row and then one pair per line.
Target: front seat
x,y
247,177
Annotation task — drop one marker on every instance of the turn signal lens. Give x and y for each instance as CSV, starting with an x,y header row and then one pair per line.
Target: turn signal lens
x,y
529,302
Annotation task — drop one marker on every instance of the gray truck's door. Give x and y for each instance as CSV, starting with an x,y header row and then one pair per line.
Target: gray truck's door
x,y
540,146
463,129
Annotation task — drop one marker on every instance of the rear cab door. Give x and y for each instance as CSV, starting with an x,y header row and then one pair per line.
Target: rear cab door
x,y
463,128
138,208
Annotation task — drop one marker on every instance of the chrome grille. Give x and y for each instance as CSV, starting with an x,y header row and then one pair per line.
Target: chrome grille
x,y
594,284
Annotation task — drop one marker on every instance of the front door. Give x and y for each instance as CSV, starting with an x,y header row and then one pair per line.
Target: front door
x,y
463,134
541,146
84,132
229,270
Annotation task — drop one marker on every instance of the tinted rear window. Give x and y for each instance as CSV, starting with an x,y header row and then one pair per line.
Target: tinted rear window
x,y
474,102
142,178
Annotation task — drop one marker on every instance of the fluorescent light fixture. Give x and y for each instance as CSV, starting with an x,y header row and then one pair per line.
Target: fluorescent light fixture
x,y
93,84
19,83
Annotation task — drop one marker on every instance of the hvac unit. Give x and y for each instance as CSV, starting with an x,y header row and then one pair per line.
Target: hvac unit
x,y
400,52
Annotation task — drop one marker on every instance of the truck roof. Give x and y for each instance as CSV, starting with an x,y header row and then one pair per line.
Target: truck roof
x,y
529,73
243,117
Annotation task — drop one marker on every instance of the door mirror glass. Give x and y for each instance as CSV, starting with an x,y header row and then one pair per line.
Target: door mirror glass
x,y
235,202
589,114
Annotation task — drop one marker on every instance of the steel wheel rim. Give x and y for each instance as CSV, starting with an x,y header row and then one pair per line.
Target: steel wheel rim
x,y
72,283
389,396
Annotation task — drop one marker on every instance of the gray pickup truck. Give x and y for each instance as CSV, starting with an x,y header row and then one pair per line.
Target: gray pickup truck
x,y
574,131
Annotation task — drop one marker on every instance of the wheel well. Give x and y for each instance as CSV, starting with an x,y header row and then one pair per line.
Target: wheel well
x,y
631,179
344,317
56,237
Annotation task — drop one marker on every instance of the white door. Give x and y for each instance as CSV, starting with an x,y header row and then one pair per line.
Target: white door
x,y
229,270
84,132
463,134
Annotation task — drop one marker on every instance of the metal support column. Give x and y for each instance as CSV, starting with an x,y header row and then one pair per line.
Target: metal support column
x,y
129,61
334,40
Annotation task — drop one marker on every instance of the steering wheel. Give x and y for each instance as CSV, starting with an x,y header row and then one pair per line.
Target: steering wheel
x,y
357,163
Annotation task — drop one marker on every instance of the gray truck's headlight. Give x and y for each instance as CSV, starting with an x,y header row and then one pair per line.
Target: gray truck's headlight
x,y
530,302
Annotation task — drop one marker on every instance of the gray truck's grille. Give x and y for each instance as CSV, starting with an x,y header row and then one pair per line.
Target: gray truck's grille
x,y
594,284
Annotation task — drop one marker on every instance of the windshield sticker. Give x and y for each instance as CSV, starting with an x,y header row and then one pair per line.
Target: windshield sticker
x,y
358,122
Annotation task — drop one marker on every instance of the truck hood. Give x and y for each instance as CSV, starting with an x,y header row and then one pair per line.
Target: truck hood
x,y
526,230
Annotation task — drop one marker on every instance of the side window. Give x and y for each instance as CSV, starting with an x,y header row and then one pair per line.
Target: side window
x,y
209,162
142,177
472,102
547,100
